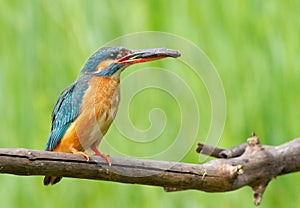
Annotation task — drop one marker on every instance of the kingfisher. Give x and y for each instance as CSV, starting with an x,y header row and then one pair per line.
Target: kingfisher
x,y
85,109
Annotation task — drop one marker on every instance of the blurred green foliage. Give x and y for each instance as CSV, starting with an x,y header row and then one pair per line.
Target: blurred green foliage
x,y
254,45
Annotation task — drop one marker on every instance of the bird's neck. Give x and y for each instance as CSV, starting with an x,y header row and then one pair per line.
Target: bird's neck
x,y
105,86
112,71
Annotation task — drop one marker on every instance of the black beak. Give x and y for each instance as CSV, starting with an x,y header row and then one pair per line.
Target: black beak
x,y
145,55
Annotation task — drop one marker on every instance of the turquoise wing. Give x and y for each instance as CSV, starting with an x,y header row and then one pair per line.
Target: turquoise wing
x,y
66,110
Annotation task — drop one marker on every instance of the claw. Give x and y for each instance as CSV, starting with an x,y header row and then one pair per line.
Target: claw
x,y
84,154
104,156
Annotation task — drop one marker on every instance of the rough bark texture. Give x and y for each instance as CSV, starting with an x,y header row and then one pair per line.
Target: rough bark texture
x,y
250,164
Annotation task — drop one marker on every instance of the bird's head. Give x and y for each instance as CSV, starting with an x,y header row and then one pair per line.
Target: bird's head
x,y
110,61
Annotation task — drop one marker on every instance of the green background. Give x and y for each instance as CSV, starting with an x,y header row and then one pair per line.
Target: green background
x,y
254,46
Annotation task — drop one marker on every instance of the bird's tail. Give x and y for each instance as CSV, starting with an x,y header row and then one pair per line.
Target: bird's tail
x,y
51,180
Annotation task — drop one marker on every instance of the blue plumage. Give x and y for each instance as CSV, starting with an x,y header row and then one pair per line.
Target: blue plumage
x,y
66,110
101,55
100,75
113,68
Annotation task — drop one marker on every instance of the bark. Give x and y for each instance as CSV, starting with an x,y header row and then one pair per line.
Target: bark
x,y
250,164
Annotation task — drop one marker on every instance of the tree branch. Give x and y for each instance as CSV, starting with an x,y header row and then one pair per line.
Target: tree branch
x,y
250,164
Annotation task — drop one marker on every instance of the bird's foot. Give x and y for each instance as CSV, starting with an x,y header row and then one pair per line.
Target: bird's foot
x,y
104,156
84,154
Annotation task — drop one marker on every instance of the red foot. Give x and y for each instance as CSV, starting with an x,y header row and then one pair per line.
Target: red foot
x,y
97,153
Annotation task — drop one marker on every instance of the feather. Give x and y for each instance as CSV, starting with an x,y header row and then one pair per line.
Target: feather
x,y
66,110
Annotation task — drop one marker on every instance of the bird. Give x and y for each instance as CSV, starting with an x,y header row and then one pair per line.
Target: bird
x,y
86,108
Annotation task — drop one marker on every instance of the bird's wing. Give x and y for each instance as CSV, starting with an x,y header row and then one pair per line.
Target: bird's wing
x,y
66,111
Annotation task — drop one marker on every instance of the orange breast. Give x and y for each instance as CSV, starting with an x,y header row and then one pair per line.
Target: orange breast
x,y
99,107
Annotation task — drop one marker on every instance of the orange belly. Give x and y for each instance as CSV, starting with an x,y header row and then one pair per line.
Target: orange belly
x,y
98,110
70,140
